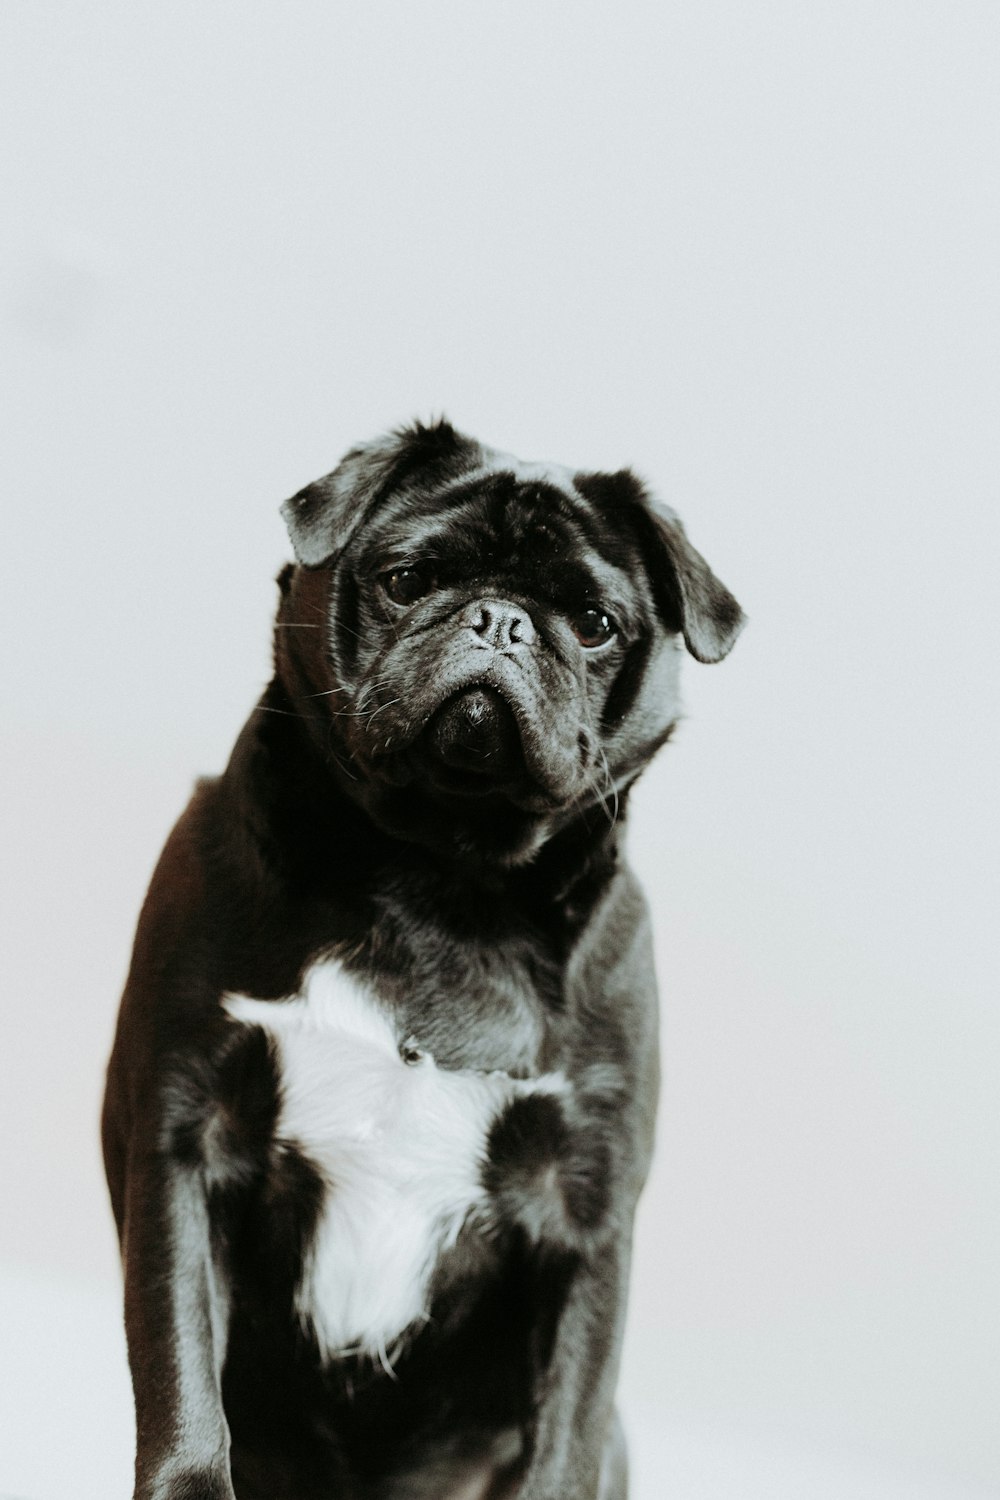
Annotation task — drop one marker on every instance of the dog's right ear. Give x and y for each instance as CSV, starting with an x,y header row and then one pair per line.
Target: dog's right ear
x,y
322,518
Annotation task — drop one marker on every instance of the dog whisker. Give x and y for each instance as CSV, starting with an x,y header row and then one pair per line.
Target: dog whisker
x,y
606,798
382,706
263,708
338,759
349,631
610,781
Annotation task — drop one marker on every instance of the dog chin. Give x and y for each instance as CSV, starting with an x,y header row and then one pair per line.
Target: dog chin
x,y
490,828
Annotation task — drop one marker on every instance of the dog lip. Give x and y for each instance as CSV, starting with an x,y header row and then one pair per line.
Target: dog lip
x,y
470,749
537,774
474,736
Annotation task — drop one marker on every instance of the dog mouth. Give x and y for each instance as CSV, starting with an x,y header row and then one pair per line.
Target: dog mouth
x,y
490,735
472,745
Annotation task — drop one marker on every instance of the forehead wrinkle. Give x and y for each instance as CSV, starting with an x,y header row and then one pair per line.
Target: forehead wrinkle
x,y
473,531
473,521
549,488
504,513
488,524
533,483
430,536
402,527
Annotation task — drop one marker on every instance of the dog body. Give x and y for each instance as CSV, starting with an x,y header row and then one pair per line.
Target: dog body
x,y
381,1100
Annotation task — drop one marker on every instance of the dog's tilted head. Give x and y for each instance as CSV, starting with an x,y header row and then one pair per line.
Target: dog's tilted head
x,y
493,647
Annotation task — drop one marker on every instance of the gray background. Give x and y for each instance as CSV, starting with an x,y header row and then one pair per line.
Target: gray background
x,y
751,249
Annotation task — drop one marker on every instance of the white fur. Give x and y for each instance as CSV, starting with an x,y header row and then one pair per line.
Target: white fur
x,y
400,1145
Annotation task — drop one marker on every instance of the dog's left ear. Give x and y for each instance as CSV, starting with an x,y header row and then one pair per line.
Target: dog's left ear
x,y
688,594
710,616
322,518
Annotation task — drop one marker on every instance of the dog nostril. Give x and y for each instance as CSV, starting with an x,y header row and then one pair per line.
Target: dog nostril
x,y
501,625
520,629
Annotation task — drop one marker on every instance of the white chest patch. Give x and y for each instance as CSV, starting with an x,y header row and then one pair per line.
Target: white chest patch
x,y
400,1145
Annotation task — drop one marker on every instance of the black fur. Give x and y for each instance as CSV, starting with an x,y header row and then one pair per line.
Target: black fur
x,y
490,908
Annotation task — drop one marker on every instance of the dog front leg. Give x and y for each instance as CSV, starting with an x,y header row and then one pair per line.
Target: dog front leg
x,y
176,1319
577,1450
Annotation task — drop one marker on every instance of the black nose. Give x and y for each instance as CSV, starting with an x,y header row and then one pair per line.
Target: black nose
x,y
476,732
500,624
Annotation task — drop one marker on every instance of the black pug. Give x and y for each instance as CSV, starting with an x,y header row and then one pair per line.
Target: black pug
x,y
381,1100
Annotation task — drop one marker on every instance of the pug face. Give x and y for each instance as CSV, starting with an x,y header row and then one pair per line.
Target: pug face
x,y
497,651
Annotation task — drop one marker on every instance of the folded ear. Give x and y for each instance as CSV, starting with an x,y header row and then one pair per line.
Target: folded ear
x,y
687,592
710,617
322,518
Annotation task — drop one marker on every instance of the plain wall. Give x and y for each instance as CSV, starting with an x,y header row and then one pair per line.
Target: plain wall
x,y
751,250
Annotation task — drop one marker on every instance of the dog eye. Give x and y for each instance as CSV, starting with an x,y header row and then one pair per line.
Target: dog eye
x,y
407,585
592,627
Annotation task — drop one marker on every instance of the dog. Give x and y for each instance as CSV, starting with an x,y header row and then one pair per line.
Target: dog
x,y
382,1093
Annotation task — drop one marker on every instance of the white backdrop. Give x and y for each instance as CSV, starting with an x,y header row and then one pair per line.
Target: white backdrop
x,y
751,249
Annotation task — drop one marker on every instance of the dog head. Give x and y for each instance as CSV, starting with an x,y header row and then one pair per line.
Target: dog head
x,y
488,648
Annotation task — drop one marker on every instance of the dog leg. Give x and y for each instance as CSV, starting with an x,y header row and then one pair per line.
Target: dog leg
x,y
176,1318
614,1469
578,1448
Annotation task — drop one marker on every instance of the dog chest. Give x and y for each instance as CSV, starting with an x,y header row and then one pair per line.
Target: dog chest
x,y
473,999
400,1144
